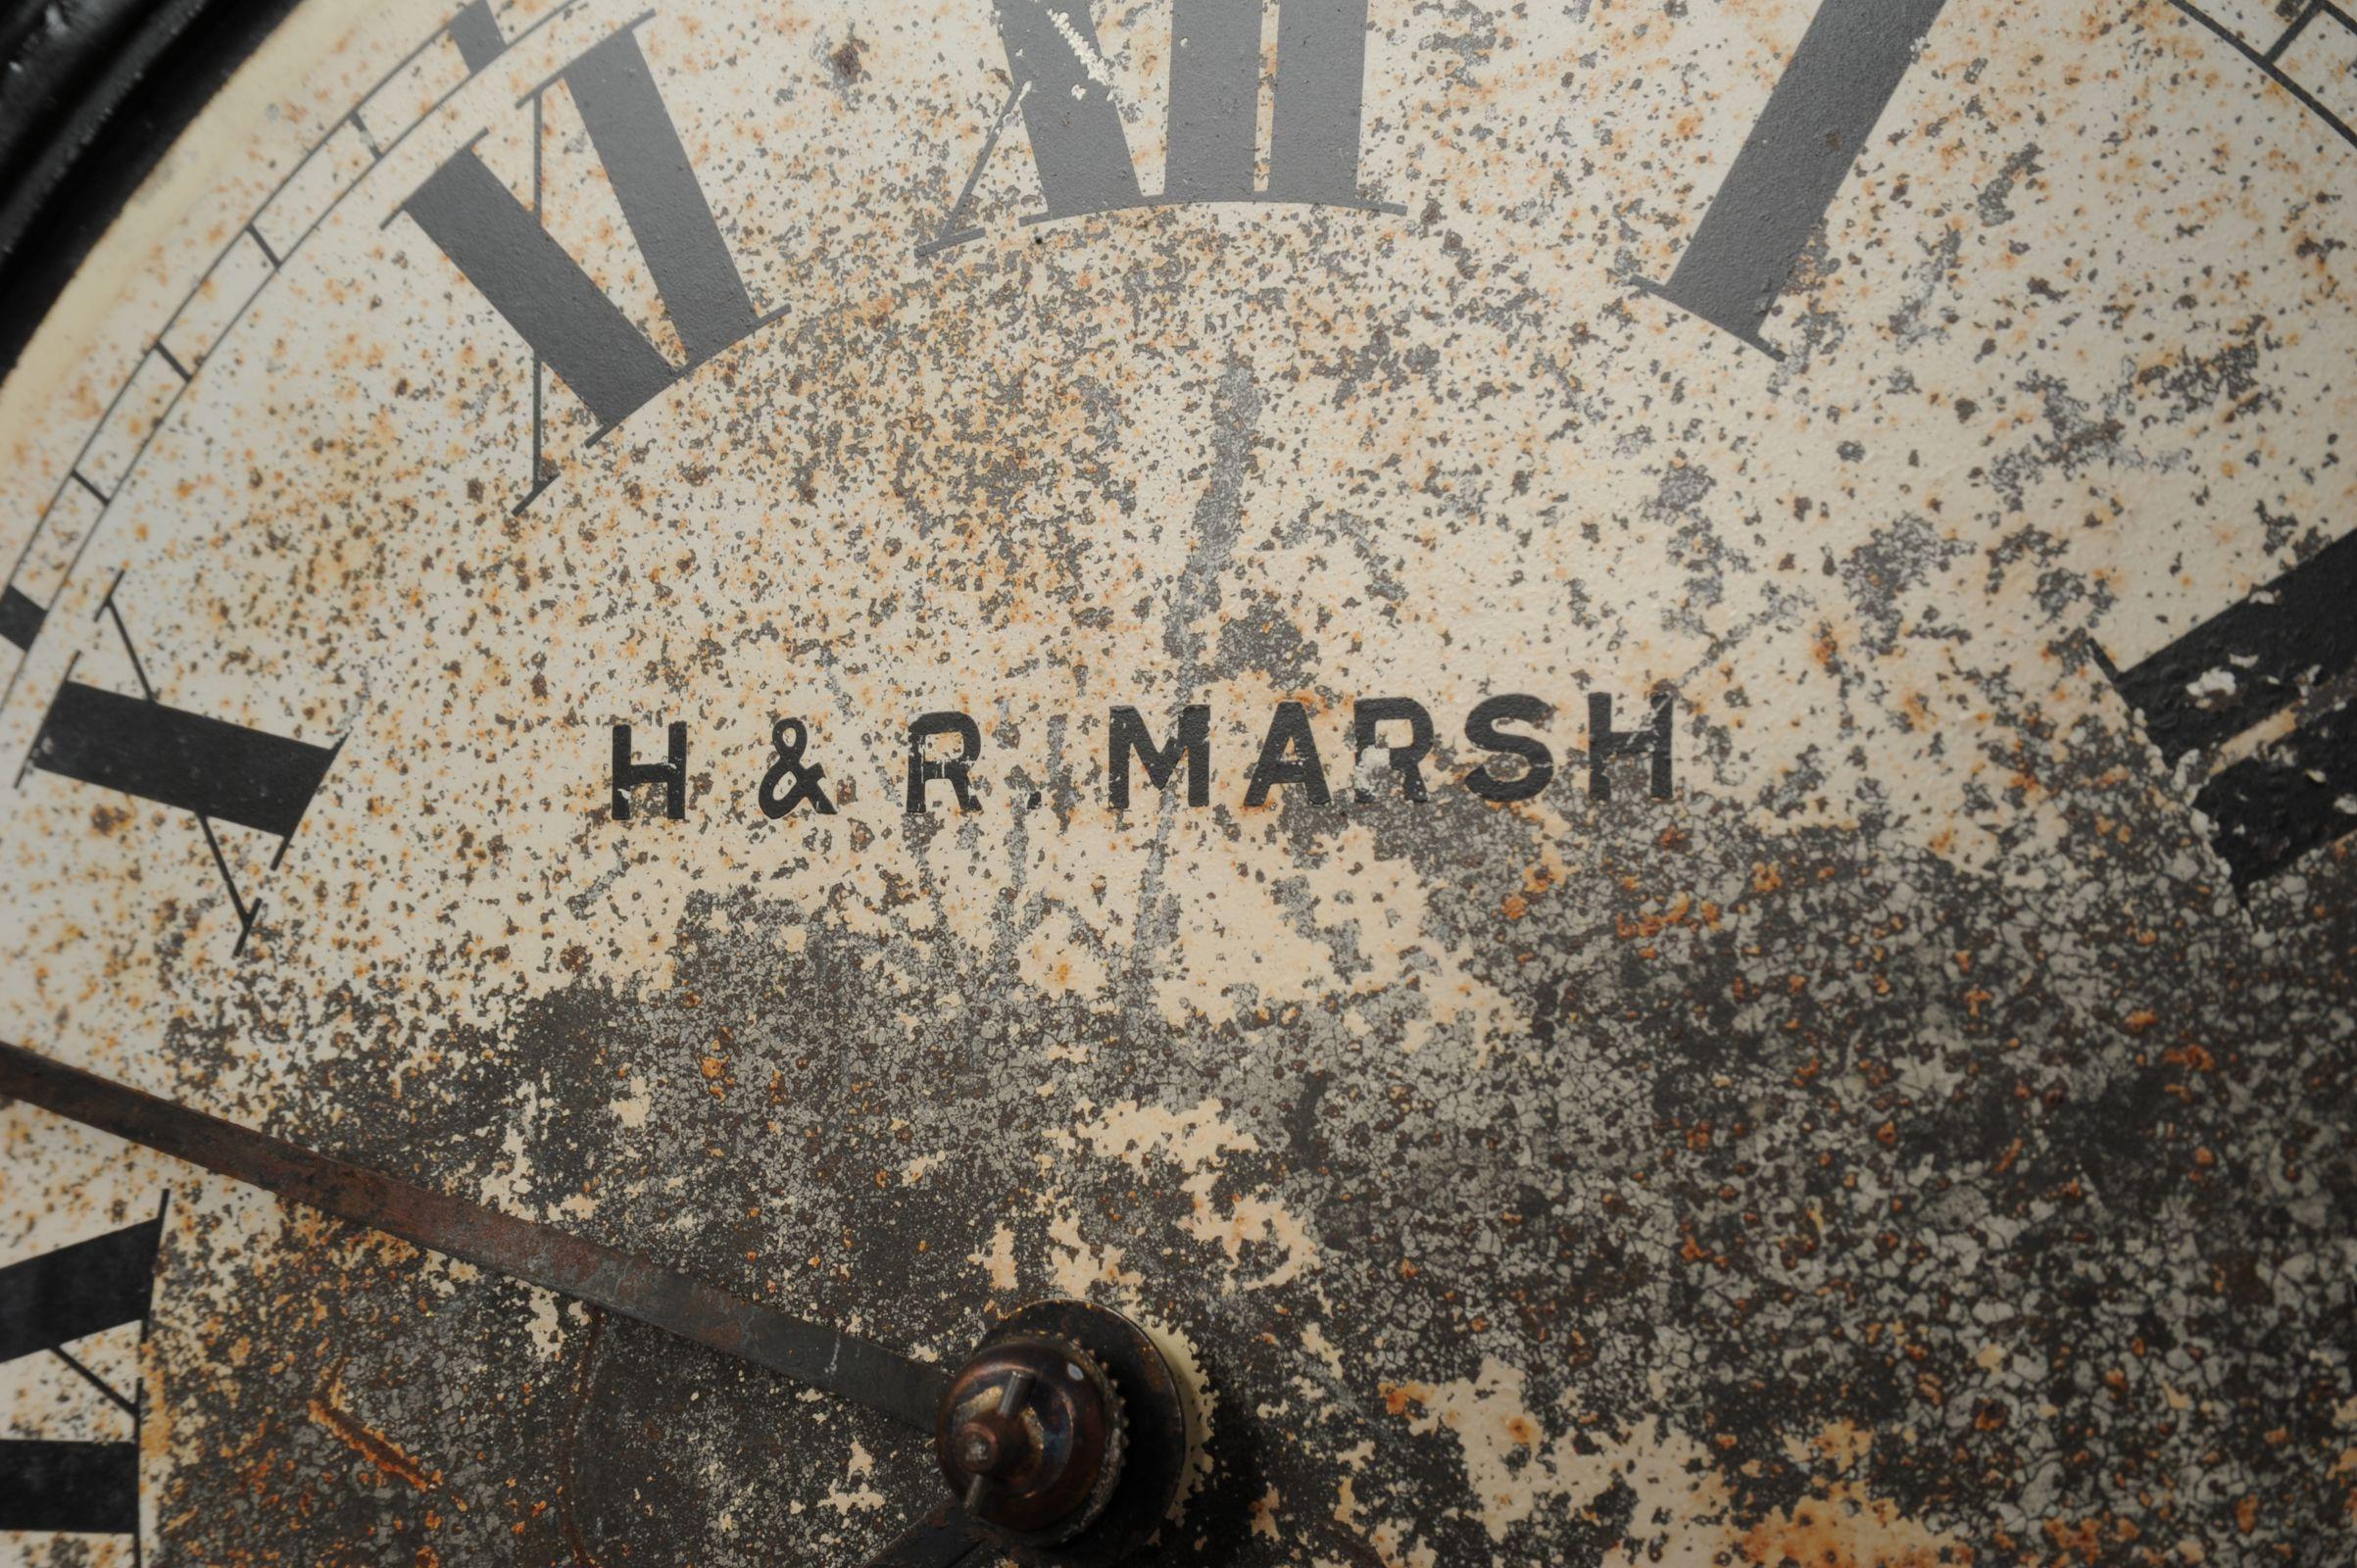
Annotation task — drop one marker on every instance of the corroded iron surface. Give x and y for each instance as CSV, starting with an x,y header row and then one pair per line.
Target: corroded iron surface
x,y
1884,1098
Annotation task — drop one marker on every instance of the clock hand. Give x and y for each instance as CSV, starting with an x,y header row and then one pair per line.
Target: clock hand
x,y
1091,1479
942,1538
850,1368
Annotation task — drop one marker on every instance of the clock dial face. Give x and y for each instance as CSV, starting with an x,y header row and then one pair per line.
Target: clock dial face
x,y
1608,745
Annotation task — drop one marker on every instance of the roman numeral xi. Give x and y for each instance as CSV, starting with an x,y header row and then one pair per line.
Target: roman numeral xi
x,y
46,1304
2241,667
572,326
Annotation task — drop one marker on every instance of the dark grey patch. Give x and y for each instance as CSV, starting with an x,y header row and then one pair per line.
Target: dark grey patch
x,y
1261,639
2023,165
1904,555
2078,437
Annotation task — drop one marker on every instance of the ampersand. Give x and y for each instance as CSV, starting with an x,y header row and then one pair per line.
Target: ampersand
x,y
789,736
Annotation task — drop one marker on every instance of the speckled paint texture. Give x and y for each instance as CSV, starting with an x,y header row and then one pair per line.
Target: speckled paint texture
x,y
1905,1143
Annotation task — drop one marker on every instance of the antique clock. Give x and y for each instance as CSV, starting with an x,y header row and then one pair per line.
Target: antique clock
x,y
1375,783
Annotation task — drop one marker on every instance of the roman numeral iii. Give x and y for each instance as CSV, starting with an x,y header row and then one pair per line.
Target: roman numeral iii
x,y
2239,668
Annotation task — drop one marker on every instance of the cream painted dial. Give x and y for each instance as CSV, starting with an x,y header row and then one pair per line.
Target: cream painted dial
x,y
1606,746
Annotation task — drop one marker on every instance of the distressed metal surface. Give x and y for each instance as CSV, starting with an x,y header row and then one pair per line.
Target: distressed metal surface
x,y
1910,1143
529,1255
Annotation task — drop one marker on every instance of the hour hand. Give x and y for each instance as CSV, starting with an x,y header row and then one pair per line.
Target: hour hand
x,y
942,1538
1065,1433
910,1392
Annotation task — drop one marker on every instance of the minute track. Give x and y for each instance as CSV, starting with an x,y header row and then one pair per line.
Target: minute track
x,y
851,1368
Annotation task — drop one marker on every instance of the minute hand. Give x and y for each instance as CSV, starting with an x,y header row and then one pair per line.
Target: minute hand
x,y
855,1369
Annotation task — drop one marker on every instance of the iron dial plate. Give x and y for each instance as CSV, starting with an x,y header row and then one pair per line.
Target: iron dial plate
x,y
1609,746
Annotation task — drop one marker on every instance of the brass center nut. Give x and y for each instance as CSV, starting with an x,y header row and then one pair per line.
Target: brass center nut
x,y
1031,1436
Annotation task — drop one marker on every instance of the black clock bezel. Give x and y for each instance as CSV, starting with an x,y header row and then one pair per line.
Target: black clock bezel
x,y
92,93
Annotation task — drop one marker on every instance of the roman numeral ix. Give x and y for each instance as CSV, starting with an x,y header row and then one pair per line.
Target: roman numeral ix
x,y
46,1304
2241,667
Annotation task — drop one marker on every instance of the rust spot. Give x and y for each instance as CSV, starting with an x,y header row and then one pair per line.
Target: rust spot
x,y
1847,1528
379,1450
1398,1396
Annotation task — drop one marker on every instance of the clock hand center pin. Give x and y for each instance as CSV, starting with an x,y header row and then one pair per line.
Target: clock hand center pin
x,y
1033,1431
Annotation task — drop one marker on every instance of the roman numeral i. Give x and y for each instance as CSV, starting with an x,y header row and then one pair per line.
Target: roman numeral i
x,y
1844,74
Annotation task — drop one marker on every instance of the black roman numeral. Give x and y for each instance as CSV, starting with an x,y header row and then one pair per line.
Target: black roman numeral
x,y
46,1304
571,325
2241,667
207,765
1849,65
1082,153
214,769
19,617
